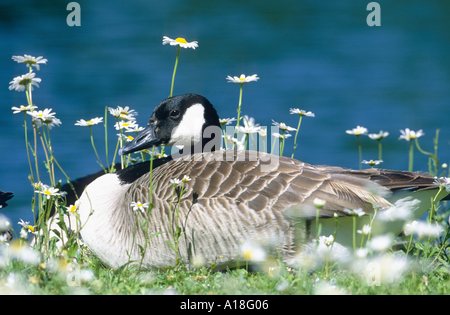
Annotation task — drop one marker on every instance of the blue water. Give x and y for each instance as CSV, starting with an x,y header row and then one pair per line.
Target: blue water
x,y
313,55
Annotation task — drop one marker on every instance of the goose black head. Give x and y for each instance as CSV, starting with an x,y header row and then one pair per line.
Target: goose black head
x,y
187,120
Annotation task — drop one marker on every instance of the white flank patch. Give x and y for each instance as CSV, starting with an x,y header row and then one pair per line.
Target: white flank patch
x,y
189,131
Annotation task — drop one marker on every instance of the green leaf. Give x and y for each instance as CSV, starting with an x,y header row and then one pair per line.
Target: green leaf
x,y
171,245
141,249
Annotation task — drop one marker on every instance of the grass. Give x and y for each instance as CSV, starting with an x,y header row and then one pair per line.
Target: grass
x,y
50,278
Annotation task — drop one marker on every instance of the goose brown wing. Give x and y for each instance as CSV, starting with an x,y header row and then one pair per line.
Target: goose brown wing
x,y
258,181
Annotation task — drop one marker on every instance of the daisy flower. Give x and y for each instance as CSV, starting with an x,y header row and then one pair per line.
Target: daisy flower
x,y
252,252
49,122
124,113
40,186
124,124
381,243
43,115
319,203
409,135
23,223
301,112
179,42
5,225
125,137
444,181
358,212
139,206
262,132
423,229
21,82
22,108
49,192
358,131
226,121
378,136
372,163
73,208
30,61
242,79
175,181
248,129
328,241
365,230
134,128
186,178
283,126
280,136
93,121
26,226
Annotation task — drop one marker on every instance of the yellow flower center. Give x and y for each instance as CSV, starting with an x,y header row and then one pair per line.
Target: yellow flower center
x,y
139,205
41,115
130,138
247,255
181,40
31,228
126,124
47,192
90,122
73,208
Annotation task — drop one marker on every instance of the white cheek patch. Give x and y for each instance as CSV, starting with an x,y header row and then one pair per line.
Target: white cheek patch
x,y
189,131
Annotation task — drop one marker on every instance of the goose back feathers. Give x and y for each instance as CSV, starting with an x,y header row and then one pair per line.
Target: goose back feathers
x,y
250,196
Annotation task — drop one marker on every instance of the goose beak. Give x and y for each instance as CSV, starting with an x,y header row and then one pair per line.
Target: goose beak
x,y
145,139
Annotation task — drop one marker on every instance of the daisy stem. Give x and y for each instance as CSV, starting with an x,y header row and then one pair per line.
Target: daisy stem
x,y
51,156
295,139
354,233
273,145
44,146
360,152
67,177
282,145
106,138
238,113
95,150
411,156
409,245
362,241
174,71
36,163
28,94
121,144
380,150
26,144
115,153
224,138
431,156
151,178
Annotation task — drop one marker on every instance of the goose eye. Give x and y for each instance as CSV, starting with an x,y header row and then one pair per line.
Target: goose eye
x,y
175,113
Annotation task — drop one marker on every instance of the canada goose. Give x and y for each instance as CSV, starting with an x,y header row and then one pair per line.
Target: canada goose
x,y
232,196
4,197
